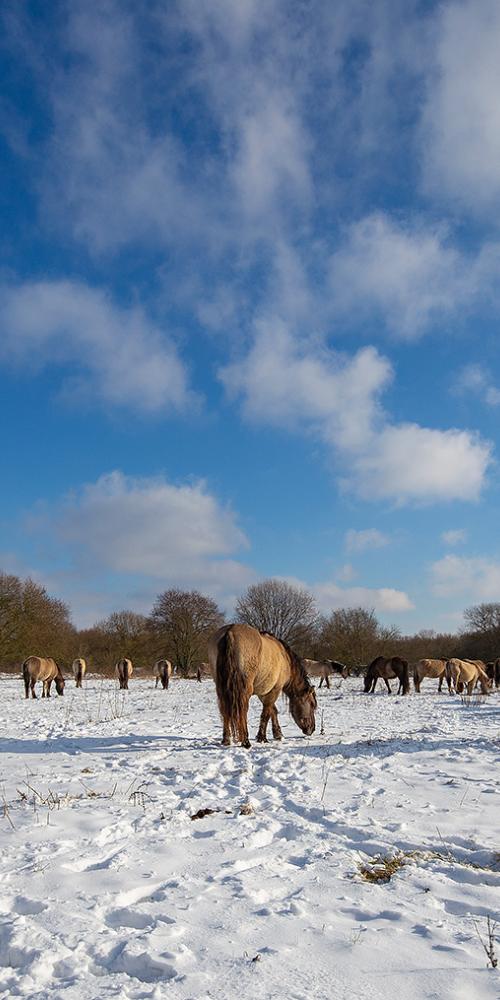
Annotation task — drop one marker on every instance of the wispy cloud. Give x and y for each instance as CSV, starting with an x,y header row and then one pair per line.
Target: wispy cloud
x,y
409,274
121,357
382,599
365,540
461,122
455,536
475,380
301,385
473,579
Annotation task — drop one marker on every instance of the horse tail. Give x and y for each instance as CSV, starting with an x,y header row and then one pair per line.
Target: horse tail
x,y
26,677
370,673
449,675
405,677
416,677
231,685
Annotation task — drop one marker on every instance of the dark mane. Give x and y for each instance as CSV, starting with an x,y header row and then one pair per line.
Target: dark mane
x,y
299,682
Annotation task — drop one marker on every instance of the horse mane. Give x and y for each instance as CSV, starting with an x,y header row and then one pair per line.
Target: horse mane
x,y
371,665
299,682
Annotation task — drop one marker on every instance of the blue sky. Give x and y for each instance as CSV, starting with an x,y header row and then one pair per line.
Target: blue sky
x,y
249,301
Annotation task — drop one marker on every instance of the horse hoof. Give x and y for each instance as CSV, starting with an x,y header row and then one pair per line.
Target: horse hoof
x,y
246,745
261,739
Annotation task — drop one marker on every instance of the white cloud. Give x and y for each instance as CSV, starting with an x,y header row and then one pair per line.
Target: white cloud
x,y
346,573
121,358
408,462
283,383
121,540
475,381
461,122
409,274
153,528
454,537
365,540
303,386
474,579
271,161
382,599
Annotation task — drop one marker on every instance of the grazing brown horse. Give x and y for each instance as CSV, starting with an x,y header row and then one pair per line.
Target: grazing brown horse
x,y
123,671
493,671
79,670
387,668
327,667
429,668
466,673
45,669
162,670
323,669
248,662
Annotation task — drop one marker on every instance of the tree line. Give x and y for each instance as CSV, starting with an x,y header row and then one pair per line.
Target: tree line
x,y
181,622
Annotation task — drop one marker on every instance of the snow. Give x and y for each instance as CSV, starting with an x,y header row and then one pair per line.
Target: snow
x,y
108,888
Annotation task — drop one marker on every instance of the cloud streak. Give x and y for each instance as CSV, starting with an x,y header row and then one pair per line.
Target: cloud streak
x,y
338,399
121,358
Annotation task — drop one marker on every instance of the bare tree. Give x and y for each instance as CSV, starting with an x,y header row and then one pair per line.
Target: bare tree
x,y
483,618
182,622
123,633
32,622
354,636
286,611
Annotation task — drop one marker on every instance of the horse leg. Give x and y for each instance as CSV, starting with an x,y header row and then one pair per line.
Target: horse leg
x,y
277,734
27,686
321,682
264,719
166,681
156,685
243,723
416,684
33,692
388,686
44,689
226,733
327,681
48,688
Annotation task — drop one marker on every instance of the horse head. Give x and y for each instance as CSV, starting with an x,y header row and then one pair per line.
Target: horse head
x,y
302,708
59,681
368,680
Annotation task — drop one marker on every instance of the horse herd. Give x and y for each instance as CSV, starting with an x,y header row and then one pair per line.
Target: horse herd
x,y
245,661
46,670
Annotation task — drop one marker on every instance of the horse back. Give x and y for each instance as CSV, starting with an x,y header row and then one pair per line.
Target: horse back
x,y
41,668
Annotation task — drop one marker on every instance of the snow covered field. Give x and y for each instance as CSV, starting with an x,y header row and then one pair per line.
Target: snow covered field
x,y
108,887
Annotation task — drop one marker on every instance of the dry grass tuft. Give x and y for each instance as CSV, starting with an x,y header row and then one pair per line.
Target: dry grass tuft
x,y
382,867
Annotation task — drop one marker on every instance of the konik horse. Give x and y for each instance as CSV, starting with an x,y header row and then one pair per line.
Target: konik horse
x,y
327,667
123,672
387,668
45,669
429,668
493,671
466,673
247,662
162,670
79,670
